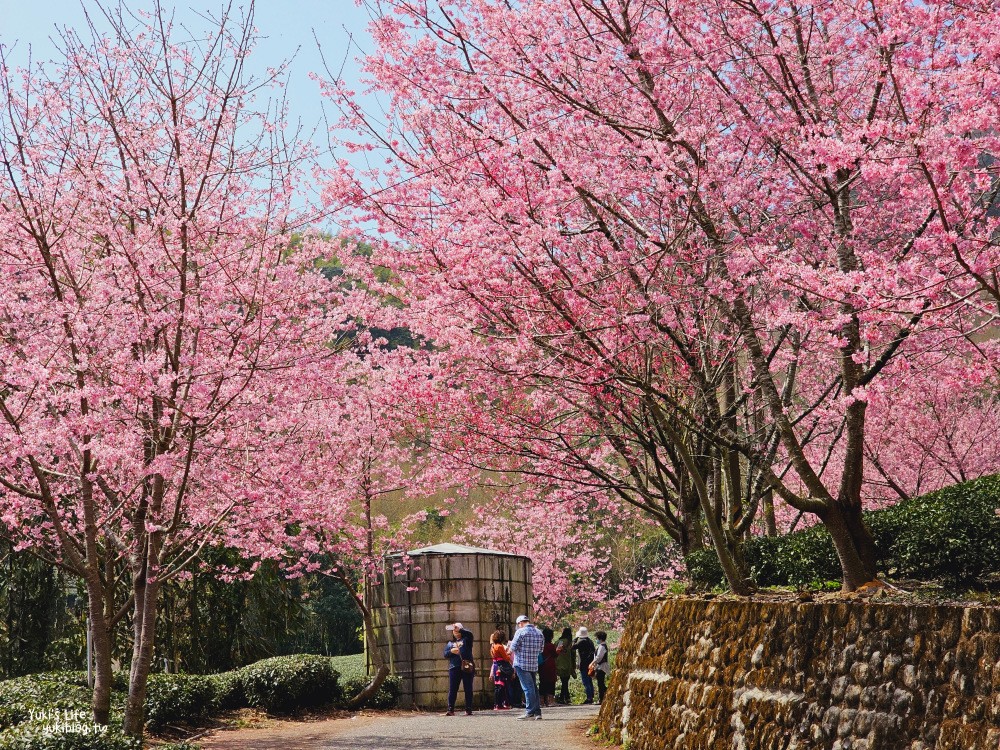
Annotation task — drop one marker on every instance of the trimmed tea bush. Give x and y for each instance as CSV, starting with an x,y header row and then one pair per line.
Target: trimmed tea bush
x,y
172,698
802,559
285,683
32,707
41,735
229,693
952,535
62,691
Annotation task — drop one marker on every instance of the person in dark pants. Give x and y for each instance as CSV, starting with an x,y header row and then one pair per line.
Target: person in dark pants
x,y
547,670
584,648
502,671
457,650
564,664
602,664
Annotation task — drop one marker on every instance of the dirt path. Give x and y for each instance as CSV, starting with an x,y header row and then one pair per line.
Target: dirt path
x,y
562,728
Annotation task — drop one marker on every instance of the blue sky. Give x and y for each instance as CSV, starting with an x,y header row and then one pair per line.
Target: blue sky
x,y
288,26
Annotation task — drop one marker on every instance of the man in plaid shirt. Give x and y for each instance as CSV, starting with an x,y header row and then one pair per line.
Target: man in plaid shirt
x,y
525,647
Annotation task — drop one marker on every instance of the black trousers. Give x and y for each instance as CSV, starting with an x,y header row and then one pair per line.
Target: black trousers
x,y
564,690
455,677
499,695
601,687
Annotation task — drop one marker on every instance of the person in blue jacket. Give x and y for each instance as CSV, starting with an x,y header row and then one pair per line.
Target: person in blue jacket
x,y
457,650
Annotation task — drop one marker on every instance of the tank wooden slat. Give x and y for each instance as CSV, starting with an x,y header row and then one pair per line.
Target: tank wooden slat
x,y
441,614
463,567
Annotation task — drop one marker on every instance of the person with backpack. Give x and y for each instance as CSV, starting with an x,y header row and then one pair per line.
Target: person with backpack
x,y
584,648
502,671
602,666
564,664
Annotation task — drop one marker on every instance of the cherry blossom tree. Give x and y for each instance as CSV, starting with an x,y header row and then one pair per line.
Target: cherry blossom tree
x,y
163,350
584,558
370,453
937,427
722,222
569,567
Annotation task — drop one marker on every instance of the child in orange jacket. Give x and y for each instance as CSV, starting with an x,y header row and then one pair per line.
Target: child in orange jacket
x,y
501,672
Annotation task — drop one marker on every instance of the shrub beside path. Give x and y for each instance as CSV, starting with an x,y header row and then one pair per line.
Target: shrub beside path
x,y
563,728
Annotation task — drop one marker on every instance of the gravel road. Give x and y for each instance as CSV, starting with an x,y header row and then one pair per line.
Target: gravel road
x,y
562,728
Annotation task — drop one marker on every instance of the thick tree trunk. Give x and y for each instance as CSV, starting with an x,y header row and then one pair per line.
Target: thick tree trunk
x,y
144,630
692,534
854,544
770,521
99,597
864,542
735,573
101,644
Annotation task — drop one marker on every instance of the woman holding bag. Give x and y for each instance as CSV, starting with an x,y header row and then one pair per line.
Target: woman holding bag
x,y
461,669
601,664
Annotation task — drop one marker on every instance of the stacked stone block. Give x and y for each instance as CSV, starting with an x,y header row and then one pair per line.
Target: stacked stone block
x,y
838,675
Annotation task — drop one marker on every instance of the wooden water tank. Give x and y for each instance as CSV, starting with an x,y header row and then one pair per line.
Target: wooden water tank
x,y
483,589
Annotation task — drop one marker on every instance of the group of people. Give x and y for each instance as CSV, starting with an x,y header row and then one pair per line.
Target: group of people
x,y
531,661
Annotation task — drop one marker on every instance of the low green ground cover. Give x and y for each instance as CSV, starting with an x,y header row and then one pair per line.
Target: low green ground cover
x,y
51,710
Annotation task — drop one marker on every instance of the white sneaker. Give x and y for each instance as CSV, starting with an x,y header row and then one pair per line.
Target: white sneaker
x,y
525,717
538,717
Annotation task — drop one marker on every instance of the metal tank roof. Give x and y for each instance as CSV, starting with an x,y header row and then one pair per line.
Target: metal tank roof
x,y
455,549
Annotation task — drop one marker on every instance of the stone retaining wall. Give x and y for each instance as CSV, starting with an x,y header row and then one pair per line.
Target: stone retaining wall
x,y
838,675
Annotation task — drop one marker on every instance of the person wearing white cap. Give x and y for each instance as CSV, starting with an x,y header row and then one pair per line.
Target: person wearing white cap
x,y
585,650
461,668
525,647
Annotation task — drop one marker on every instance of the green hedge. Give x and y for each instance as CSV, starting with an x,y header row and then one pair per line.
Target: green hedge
x,y
36,735
277,685
173,698
62,691
66,701
285,683
952,536
229,693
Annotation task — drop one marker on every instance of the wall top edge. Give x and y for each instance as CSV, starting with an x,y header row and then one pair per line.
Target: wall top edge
x,y
853,600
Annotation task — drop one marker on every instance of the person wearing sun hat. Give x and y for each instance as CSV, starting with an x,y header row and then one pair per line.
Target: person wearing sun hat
x,y
527,643
458,651
584,648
